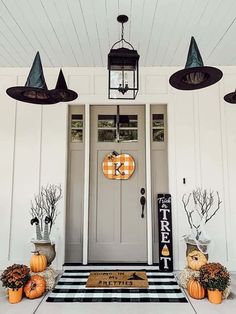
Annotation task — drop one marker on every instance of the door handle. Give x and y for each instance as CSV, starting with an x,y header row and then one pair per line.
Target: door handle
x,y
142,202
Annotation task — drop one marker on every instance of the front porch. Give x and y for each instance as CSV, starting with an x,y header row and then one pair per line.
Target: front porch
x,y
40,306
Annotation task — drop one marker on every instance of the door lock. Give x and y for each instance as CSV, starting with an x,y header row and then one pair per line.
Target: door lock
x,y
142,191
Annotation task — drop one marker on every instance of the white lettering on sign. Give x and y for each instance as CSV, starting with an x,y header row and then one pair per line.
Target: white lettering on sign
x,y
165,225
164,200
164,237
164,210
165,259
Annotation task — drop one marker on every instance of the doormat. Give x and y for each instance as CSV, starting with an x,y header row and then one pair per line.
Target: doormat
x,y
162,287
117,279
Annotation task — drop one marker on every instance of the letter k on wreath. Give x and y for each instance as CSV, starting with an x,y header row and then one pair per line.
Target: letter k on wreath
x,y
118,167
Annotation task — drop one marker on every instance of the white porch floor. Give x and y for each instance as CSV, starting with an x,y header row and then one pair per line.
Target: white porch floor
x,y
39,306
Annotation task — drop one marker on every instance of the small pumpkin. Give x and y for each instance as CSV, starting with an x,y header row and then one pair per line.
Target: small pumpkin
x,y
38,262
196,260
35,287
195,289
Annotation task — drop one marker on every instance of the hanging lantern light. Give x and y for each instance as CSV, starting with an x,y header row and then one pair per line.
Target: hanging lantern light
x,y
195,75
123,68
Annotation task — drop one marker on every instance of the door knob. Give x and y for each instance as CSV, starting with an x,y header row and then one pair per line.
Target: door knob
x,y
142,202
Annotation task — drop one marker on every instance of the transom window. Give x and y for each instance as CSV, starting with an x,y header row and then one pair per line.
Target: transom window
x,y
117,128
158,127
76,128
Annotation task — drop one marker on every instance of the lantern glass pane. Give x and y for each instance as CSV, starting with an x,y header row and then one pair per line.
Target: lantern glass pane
x,y
127,81
127,77
115,94
116,79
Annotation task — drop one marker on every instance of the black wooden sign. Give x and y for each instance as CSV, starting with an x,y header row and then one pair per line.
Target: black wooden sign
x,y
165,232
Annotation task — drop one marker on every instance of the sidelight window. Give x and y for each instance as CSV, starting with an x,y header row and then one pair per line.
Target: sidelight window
x,y
76,128
158,127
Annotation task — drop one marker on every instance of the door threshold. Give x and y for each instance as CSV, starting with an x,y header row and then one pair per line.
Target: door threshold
x,y
110,266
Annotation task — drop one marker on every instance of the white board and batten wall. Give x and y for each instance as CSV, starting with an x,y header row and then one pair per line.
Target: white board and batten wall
x,y
34,145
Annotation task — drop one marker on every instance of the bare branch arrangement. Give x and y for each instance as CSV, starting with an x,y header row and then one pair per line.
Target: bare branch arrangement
x,y
204,206
44,210
37,209
51,195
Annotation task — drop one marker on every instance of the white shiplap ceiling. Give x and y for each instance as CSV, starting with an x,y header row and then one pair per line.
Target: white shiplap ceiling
x,y
81,32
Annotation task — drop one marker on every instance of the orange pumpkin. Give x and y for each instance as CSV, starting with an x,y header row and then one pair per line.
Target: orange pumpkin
x,y
118,167
35,287
38,262
195,289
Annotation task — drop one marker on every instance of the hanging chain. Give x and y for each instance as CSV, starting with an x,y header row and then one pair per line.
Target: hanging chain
x,y
122,40
122,34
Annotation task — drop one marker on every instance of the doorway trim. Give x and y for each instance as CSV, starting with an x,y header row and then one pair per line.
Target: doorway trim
x,y
87,182
148,183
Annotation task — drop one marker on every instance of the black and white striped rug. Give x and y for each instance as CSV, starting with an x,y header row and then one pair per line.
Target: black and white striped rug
x,y
163,287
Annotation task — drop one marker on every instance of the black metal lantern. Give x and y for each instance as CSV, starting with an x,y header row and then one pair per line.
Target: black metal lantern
x,y
123,68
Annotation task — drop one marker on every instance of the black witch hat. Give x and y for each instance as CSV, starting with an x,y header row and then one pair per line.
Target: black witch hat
x,y
35,90
135,277
61,89
195,75
231,97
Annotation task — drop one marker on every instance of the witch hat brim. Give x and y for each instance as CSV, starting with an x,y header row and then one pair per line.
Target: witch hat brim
x,y
61,89
195,78
35,90
195,75
231,97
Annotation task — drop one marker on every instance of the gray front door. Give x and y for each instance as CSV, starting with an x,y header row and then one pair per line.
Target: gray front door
x,y
117,232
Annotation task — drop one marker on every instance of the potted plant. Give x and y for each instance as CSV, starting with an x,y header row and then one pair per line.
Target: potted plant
x,y
44,212
14,278
200,207
215,278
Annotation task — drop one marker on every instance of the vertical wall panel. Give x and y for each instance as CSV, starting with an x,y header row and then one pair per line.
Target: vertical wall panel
x,y
26,178
183,106
229,112
7,135
211,164
53,166
231,149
